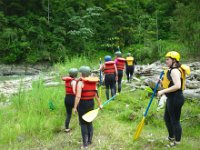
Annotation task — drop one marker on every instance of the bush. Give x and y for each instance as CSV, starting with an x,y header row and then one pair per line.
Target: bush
x,y
156,51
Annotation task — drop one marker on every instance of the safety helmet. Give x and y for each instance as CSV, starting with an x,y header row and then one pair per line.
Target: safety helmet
x,y
118,54
73,72
85,70
128,54
107,58
173,54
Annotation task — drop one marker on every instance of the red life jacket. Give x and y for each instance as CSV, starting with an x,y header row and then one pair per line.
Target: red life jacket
x,y
90,88
68,86
120,63
109,67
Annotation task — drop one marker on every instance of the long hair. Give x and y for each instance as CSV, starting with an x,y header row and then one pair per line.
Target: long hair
x,y
178,64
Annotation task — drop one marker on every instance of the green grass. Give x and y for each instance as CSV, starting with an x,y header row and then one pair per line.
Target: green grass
x,y
29,123
78,61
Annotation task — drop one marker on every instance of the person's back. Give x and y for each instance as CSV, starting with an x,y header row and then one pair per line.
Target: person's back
x,y
129,61
120,64
129,66
86,92
110,70
70,88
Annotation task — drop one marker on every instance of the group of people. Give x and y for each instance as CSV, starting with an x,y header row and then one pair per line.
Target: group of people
x,y
113,71
80,92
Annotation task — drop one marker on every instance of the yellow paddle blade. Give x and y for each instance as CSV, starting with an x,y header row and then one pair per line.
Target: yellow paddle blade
x,y
91,115
139,129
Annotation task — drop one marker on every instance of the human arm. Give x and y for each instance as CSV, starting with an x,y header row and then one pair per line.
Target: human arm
x,y
78,96
116,72
73,84
98,100
102,67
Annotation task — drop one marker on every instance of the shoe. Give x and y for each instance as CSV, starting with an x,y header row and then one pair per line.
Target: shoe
x,y
84,147
67,130
172,144
170,139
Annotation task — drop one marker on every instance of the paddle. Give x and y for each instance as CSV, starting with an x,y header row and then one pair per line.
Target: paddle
x,y
91,115
100,76
141,124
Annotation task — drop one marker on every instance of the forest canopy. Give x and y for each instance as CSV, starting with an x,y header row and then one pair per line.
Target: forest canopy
x,y
49,30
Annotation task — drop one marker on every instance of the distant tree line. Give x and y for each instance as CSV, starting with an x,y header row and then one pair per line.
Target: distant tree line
x,y
49,30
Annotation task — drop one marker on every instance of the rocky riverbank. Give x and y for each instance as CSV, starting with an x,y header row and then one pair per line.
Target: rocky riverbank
x,y
10,70
145,75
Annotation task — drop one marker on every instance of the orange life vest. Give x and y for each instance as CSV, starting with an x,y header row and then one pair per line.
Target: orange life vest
x,y
68,86
120,63
109,67
90,88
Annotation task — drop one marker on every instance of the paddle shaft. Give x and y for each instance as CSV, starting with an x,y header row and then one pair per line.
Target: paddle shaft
x,y
154,93
91,115
106,102
100,76
100,73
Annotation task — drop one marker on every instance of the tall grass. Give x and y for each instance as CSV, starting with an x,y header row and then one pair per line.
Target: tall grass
x,y
30,115
77,62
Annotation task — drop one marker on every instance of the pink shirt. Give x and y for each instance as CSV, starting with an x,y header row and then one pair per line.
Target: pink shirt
x,y
116,60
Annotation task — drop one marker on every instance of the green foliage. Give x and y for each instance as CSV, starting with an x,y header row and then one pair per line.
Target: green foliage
x,y
187,25
75,62
35,31
156,51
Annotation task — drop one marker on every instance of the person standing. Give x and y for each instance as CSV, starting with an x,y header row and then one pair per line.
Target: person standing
x,y
130,63
84,102
120,63
70,88
174,84
111,75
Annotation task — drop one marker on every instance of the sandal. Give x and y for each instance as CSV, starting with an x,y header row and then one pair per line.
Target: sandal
x,y
170,139
171,144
